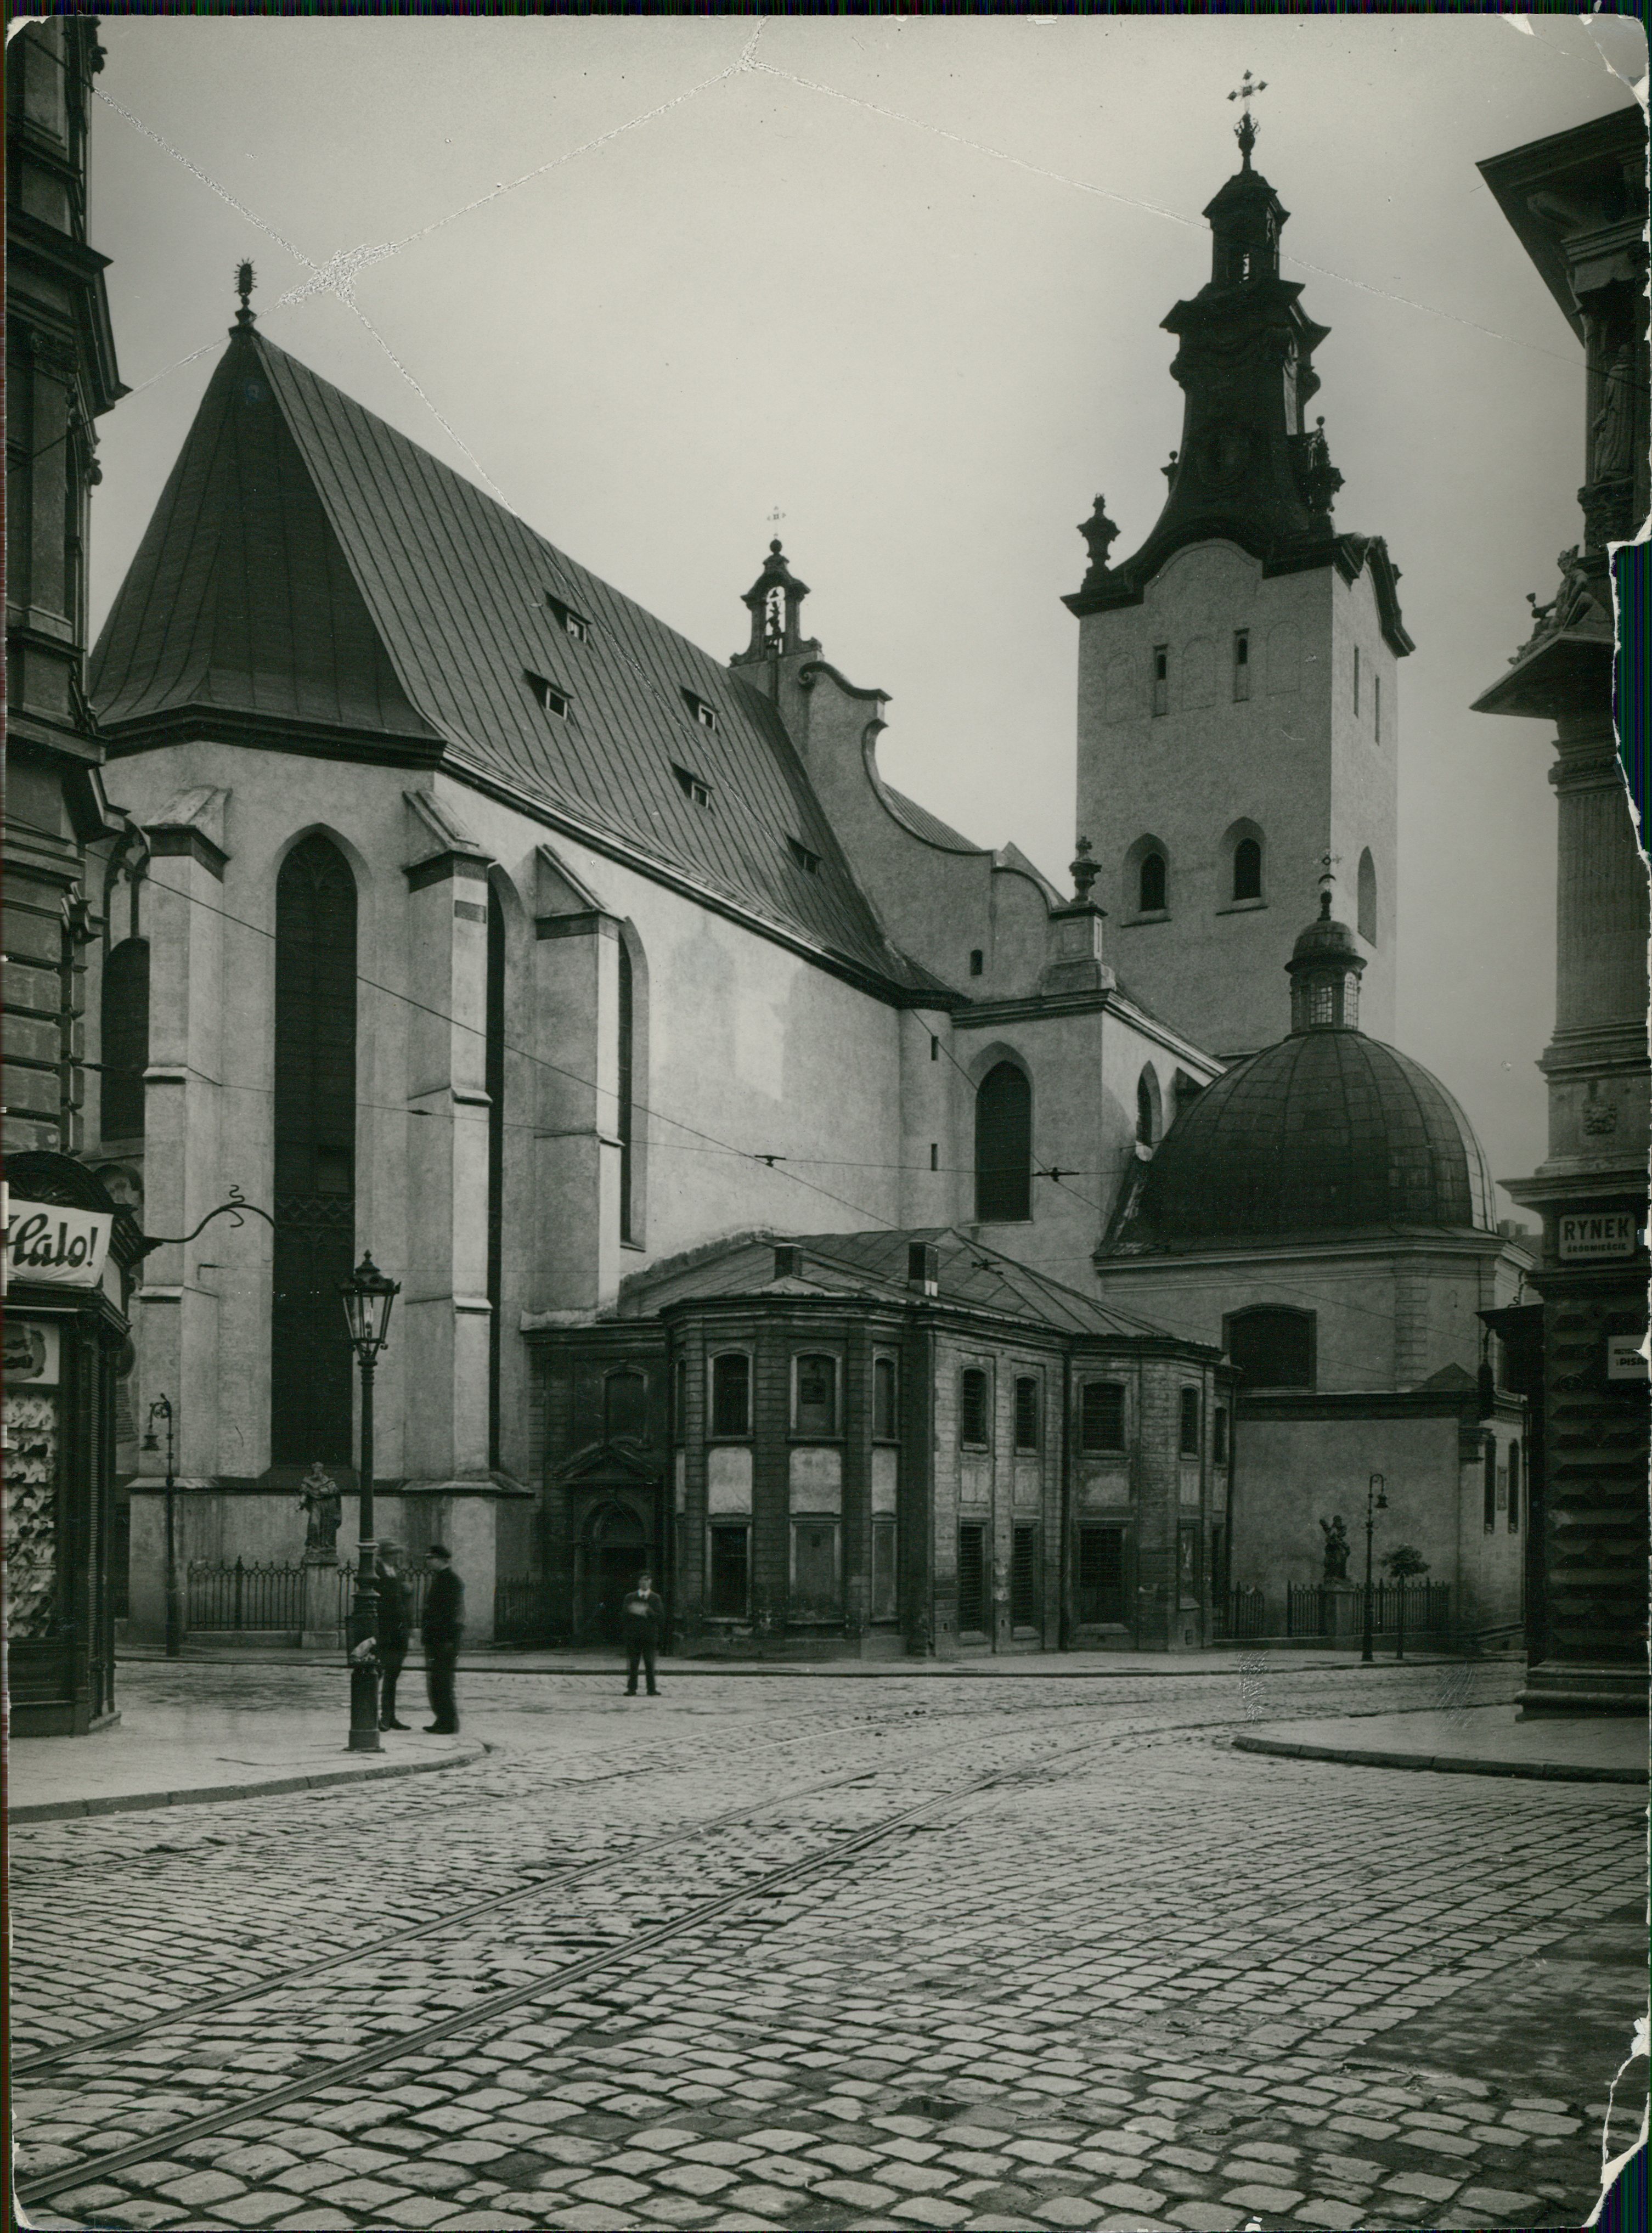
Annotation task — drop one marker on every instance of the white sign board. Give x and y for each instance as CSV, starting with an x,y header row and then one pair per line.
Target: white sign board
x,y
1626,1356
1609,1233
55,1247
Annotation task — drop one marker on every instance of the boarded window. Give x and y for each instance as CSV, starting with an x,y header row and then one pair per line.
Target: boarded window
x,y
1189,1437
814,1594
971,1407
727,1583
1101,1415
1004,1145
1024,1578
625,1406
732,1393
1101,1576
816,1402
1027,1408
1152,884
311,1365
971,1578
884,1418
884,1589
1272,1347
126,1040
1247,869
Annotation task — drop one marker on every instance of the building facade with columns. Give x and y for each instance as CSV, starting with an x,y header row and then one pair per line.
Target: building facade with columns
x,y
1578,204
469,913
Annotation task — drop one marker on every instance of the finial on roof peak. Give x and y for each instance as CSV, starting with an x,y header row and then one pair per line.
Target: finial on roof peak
x,y
1245,131
245,279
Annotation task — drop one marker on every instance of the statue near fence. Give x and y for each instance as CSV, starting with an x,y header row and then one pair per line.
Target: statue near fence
x,y
320,1502
1336,1547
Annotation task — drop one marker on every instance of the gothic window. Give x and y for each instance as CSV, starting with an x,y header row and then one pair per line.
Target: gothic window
x,y
1147,1107
1004,1145
1357,678
1151,884
1188,1441
1026,1413
624,1405
126,1040
494,1085
1247,869
976,961
1376,708
1160,678
732,1393
1514,1488
626,1108
1101,1418
885,1416
814,1396
310,1378
1367,897
972,1407
1273,1347
1242,663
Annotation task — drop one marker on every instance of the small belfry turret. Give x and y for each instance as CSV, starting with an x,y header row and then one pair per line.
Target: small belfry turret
x,y
1325,968
775,602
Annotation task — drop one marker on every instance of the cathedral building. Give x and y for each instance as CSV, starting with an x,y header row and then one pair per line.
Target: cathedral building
x,y
783,1189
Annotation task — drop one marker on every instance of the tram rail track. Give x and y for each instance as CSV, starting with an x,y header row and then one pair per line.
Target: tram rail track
x,y
845,1850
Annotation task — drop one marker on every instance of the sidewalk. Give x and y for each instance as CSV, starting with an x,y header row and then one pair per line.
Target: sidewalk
x,y
1470,1740
191,1756
509,1659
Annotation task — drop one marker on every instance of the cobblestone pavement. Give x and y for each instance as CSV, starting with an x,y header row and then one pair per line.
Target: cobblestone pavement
x,y
1036,1955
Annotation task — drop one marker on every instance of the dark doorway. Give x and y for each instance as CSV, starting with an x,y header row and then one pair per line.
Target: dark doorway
x,y
614,1551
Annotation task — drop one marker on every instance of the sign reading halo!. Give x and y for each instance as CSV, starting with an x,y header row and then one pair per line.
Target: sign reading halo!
x,y
55,1245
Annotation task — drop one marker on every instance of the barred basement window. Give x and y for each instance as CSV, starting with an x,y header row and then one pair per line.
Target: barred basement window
x,y
1189,1443
1101,1417
728,1580
1026,1414
732,1393
971,1578
972,1407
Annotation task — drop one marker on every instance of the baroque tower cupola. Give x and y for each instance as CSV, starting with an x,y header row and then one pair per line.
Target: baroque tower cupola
x,y
775,602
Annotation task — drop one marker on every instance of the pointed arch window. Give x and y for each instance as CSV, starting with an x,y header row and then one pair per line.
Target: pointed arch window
x,y
494,1081
1147,1107
1152,883
126,1040
627,1110
310,1388
1004,1145
1247,869
1367,897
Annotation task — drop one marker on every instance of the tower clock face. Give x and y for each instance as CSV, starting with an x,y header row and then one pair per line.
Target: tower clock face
x,y
1223,455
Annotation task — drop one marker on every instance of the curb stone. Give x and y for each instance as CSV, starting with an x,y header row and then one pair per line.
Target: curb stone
x,y
211,1795
1442,1763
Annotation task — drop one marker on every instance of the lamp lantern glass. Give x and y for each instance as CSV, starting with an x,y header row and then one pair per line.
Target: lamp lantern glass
x,y
366,1296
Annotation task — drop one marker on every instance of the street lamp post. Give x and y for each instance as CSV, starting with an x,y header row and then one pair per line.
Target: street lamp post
x,y
1375,1502
161,1408
366,1296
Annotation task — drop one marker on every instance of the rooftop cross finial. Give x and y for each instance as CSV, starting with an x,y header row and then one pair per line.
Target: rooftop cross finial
x,y
1246,90
1327,878
245,281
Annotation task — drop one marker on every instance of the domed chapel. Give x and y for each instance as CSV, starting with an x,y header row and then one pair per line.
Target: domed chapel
x,y
890,1251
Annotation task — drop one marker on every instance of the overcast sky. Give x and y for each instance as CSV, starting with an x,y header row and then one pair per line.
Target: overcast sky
x,y
900,282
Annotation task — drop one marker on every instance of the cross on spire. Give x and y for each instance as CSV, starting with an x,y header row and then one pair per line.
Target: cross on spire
x,y
1327,862
245,279
1246,131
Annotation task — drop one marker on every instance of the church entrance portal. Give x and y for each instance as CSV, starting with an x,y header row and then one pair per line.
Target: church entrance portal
x,y
613,1549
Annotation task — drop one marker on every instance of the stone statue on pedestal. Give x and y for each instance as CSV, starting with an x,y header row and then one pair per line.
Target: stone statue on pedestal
x,y
1336,1548
320,1502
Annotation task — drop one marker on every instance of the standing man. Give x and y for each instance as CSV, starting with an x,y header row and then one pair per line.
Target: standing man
x,y
443,1625
642,1616
394,1631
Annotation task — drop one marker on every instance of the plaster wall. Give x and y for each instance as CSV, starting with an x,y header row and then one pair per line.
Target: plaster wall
x,y
1290,764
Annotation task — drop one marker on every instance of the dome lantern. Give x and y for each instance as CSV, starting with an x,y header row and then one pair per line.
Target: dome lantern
x,y
1324,968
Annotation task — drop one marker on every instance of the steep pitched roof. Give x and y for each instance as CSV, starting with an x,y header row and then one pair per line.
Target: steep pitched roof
x,y
313,579
970,1275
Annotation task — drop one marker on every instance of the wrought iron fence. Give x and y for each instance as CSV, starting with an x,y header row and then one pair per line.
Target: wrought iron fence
x,y
1420,1608
242,1596
1242,1614
521,1611
416,1584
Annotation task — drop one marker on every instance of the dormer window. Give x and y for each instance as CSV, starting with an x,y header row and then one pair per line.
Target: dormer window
x,y
694,787
704,713
803,857
570,621
553,699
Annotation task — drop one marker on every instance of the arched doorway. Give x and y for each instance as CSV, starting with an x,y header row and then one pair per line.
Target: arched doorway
x,y
615,1545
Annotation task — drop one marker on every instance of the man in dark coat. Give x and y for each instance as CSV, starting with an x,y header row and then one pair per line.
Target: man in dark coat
x,y
394,1628
442,1627
642,1617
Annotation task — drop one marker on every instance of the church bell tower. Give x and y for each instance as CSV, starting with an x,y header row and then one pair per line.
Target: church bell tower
x,y
1237,707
